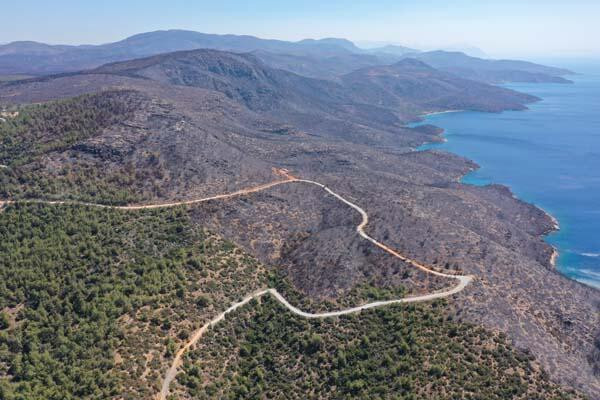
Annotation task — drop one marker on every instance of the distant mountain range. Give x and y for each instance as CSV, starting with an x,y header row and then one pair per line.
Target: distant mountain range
x,y
493,71
39,58
324,58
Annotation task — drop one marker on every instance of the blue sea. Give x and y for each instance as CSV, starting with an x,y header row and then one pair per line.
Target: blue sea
x,y
548,155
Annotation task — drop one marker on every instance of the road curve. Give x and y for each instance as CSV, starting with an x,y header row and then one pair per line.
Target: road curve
x,y
177,361
172,371
463,280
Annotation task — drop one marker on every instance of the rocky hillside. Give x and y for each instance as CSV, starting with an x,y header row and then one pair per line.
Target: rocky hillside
x,y
407,85
200,123
240,77
413,82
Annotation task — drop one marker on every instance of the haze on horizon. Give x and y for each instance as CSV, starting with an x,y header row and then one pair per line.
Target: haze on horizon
x,y
509,28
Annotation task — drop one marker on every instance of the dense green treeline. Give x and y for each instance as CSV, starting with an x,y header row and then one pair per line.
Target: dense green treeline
x,y
397,352
72,270
79,285
82,182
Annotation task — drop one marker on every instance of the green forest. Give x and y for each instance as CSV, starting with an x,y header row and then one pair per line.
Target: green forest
x,y
397,352
94,301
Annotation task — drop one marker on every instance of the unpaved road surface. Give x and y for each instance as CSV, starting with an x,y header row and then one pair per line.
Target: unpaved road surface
x,y
463,280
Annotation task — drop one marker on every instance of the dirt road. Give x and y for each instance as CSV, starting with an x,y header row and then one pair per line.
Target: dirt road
x,y
463,280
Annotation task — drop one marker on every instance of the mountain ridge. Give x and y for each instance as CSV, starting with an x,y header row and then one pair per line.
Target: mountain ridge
x,y
325,58
246,78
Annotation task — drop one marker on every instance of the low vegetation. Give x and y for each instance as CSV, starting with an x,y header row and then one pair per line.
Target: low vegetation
x,y
57,125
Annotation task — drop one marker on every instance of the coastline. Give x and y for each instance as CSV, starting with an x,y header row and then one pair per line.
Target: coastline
x,y
553,258
428,113
555,228
555,224
421,118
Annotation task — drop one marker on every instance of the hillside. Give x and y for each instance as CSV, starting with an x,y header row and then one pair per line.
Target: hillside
x,y
241,77
414,85
319,67
202,123
401,352
412,81
125,133
125,290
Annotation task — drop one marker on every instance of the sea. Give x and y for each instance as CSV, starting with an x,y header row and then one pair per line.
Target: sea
x,y
548,155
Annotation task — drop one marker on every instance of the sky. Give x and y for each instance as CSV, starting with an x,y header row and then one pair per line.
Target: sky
x,y
534,28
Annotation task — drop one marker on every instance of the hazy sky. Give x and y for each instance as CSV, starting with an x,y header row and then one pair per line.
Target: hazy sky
x,y
501,28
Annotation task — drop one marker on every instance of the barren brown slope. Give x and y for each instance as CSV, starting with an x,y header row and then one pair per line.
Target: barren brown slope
x,y
411,85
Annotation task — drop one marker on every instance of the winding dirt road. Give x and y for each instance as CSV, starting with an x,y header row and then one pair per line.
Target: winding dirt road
x,y
463,280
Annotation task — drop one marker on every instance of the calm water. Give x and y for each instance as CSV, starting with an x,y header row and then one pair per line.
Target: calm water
x,y
549,156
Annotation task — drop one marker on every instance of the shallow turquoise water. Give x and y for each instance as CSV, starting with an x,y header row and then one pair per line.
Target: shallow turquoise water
x,y
549,156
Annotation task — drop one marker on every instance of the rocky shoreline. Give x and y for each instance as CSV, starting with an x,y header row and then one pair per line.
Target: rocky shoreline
x,y
568,310
555,225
